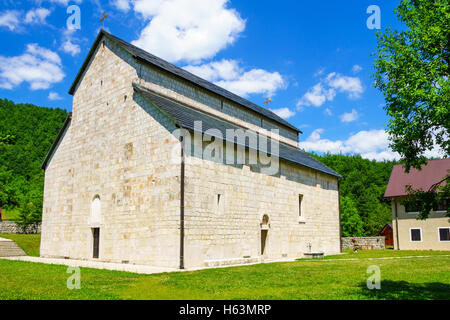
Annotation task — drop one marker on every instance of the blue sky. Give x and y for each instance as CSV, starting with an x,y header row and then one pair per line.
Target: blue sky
x,y
313,58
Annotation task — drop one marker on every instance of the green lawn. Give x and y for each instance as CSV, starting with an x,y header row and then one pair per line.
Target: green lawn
x,y
409,278
29,243
371,254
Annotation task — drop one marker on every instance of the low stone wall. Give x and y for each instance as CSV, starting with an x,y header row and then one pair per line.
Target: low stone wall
x,y
365,243
10,227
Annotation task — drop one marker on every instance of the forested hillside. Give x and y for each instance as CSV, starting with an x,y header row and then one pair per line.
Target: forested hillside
x,y
26,134
364,211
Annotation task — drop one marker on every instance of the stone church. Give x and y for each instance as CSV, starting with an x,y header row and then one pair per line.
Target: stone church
x,y
156,166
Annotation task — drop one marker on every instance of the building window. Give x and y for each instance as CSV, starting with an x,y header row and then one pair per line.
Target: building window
x,y
219,204
444,234
416,235
96,211
300,200
411,210
442,206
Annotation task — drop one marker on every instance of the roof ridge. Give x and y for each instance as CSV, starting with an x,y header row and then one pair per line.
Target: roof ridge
x,y
188,76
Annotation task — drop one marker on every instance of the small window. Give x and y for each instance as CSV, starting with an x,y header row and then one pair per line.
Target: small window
x,y
442,206
300,200
416,235
444,234
219,204
411,209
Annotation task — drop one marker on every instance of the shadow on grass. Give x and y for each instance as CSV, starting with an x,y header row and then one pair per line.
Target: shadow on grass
x,y
402,290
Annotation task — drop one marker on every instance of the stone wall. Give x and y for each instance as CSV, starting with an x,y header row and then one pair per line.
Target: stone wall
x,y
10,227
376,243
233,230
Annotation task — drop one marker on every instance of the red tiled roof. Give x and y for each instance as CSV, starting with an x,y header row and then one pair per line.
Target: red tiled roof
x,y
430,174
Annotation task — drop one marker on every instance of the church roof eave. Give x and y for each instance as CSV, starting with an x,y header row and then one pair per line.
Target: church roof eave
x,y
185,117
56,142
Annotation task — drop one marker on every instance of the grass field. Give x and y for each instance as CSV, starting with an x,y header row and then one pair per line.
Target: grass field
x,y
29,243
331,278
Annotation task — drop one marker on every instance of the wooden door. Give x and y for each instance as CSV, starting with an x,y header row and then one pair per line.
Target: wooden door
x,y
96,242
263,241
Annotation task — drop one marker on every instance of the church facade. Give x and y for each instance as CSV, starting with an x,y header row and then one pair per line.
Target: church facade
x,y
156,166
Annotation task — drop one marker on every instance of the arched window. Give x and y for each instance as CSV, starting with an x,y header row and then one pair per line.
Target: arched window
x,y
96,210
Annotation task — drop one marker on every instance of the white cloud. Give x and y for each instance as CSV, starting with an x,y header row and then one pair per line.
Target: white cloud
x,y
356,68
54,96
350,85
350,116
316,96
62,2
284,113
213,71
10,19
255,81
71,48
70,42
327,88
37,16
122,5
229,75
13,19
38,66
319,72
372,144
328,112
186,30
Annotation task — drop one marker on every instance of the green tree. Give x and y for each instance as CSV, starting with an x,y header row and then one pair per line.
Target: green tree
x,y
26,134
29,215
351,223
364,182
412,71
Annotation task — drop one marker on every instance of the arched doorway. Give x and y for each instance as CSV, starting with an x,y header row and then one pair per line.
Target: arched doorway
x,y
264,233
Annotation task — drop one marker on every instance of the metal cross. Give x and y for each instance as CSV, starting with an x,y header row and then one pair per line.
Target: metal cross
x,y
267,102
103,19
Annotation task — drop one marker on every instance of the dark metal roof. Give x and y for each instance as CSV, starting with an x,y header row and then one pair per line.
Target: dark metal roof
x,y
185,118
432,173
55,143
162,64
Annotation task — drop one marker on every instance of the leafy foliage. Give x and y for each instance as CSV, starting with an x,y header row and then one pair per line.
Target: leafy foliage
x,y
412,71
364,210
351,222
26,134
426,201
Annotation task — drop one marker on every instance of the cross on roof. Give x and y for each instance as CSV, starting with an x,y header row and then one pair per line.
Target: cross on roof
x,y
103,19
267,102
